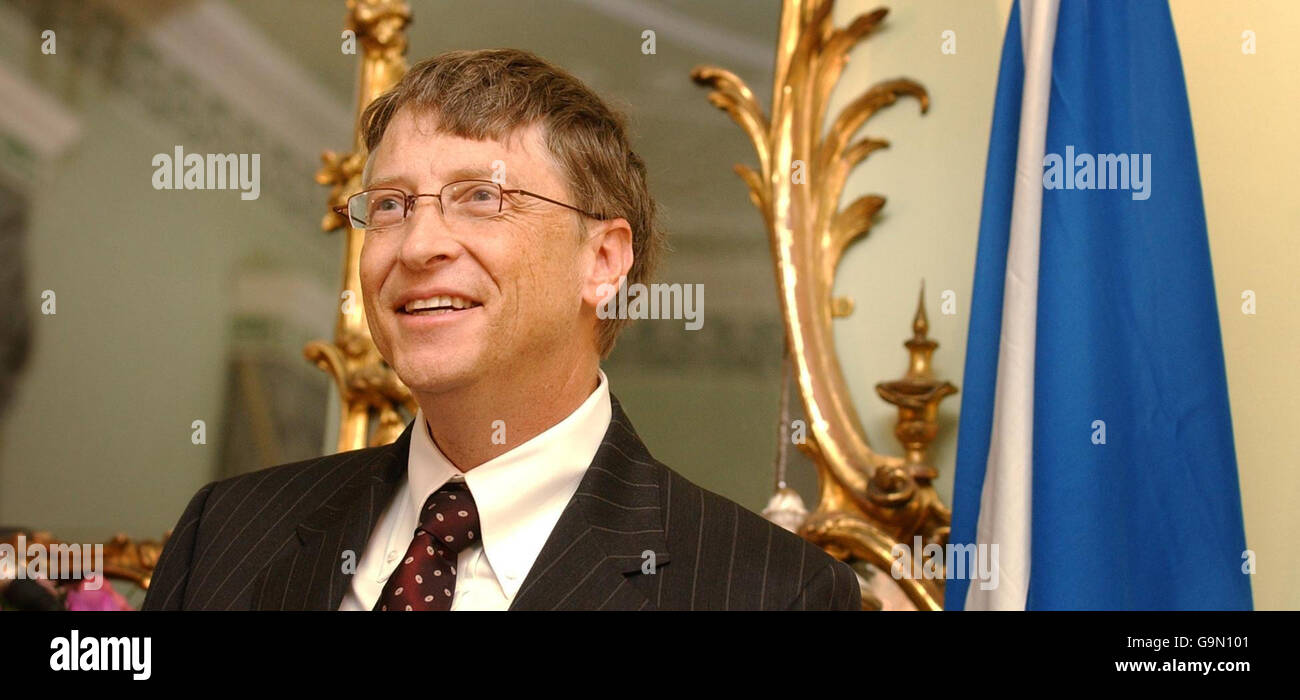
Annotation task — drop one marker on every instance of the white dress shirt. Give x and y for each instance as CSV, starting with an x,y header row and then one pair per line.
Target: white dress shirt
x,y
520,496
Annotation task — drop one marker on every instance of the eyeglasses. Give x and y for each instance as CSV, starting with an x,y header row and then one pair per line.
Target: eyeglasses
x,y
463,200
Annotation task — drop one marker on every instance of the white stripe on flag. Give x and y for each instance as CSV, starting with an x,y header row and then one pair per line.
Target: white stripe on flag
x,y
1005,502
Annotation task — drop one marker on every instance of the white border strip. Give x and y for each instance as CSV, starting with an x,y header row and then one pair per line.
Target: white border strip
x,y
1006,501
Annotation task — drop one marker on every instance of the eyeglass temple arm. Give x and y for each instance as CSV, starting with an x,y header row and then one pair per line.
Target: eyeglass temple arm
x,y
552,201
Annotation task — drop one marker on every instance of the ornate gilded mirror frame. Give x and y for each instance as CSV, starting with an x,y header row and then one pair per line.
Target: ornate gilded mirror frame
x,y
869,502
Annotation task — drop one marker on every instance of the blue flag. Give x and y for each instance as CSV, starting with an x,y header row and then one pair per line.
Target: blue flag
x,y
1095,448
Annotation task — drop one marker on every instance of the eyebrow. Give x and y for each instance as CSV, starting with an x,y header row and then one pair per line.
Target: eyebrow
x,y
462,173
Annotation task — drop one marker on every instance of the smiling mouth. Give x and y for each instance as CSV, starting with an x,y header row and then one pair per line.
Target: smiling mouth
x,y
438,306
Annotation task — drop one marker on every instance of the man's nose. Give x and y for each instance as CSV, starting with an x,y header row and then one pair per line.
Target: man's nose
x,y
428,239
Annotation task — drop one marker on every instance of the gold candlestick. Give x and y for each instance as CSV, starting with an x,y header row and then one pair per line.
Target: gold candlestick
x,y
917,396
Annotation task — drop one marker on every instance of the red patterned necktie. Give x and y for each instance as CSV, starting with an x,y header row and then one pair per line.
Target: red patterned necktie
x,y
426,578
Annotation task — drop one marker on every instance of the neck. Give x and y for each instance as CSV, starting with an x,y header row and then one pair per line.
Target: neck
x,y
478,422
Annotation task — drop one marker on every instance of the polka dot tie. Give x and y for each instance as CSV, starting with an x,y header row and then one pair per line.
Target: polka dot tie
x,y
426,577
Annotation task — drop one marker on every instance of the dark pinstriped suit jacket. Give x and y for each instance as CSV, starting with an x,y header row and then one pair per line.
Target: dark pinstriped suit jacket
x,y
275,540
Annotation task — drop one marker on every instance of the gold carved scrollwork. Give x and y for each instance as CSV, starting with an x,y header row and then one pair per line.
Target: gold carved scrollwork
x,y
124,558
868,501
368,389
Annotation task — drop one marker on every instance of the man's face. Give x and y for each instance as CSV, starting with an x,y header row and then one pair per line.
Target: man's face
x,y
520,274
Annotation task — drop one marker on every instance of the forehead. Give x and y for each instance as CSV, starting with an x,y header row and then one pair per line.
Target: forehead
x,y
414,151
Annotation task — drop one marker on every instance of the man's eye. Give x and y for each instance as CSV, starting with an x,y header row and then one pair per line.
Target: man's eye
x,y
384,209
479,194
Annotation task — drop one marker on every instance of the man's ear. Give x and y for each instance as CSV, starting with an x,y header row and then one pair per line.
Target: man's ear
x,y
610,248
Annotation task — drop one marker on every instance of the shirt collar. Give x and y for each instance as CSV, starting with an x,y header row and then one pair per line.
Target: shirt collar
x,y
519,494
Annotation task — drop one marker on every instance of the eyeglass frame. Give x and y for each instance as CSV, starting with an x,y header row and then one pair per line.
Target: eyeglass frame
x,y
409,200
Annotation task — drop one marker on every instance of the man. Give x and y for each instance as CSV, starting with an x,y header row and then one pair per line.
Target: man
x,y
501,205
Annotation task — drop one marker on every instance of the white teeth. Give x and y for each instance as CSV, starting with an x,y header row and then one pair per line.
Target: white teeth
x,y
439,302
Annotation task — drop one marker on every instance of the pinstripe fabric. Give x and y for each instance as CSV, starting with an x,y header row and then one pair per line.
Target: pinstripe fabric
x,y
279,539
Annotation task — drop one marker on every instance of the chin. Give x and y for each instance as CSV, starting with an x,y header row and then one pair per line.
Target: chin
x,y
433,372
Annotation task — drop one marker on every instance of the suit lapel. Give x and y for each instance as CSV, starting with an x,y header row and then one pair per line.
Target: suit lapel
x,y
308,573
598,557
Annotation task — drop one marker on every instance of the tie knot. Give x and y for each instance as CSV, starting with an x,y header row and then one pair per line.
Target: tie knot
x,y
450,516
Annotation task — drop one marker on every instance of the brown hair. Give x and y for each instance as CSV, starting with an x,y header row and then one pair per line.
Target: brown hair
x,y
490,93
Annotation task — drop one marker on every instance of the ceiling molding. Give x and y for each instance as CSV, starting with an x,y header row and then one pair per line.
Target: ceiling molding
x,y
239,62
36,119
30,118
719,43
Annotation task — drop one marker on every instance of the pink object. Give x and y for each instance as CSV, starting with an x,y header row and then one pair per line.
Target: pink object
x,y
104,598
